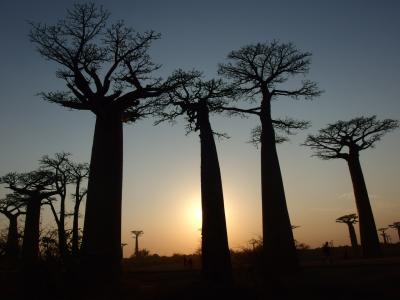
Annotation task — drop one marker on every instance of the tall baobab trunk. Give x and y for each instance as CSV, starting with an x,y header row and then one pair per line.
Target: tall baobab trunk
x,y
353,238
278,242
12,247
216,261
30,244
137,245
62,240
368,235
75,229
101,244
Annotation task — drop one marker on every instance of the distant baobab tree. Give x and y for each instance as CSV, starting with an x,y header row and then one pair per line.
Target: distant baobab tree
x,y
59,165
345,140
33,187
79,173
12,206
108,71
136,234
196,100
384,235
396,225
350,220
258,73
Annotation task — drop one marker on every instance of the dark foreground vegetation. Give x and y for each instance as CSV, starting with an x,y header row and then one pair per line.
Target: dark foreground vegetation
x,y
340,276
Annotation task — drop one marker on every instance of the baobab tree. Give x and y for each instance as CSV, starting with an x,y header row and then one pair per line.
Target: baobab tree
x,y
384,235
396,225
345,140
12,206
78,173
196,100
33,187
107,70
258,74
350,220
59,165
136,234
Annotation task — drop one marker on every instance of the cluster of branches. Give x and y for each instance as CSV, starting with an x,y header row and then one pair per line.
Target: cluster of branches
x,y
49,185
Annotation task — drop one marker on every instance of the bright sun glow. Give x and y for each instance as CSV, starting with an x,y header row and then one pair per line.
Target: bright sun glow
x,y
194,214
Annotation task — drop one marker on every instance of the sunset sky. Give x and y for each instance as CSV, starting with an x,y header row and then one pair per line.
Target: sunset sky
x,y
356,61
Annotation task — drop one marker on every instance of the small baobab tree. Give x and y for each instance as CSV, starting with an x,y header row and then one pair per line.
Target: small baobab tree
x,y
350,220
33,187
196,100
258,74
345,140
384,235
59,165
12,206
78,173
136,235
108,71
396,225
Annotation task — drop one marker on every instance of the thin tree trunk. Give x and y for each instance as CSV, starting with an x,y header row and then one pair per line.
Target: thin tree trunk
x,y
216,261
30,244
368,235
278,242
75,229
398,232
12,247
101,244
136,245
62,239
353,238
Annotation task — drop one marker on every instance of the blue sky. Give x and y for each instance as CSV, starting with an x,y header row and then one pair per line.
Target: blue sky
x,y
356,61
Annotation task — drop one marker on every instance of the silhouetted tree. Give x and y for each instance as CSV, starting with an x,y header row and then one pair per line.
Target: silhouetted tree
x,y
350,220
136,234
78,173
12,206
196,100
396,225
345,140
59,165
34,187
258,73
384,235
107,71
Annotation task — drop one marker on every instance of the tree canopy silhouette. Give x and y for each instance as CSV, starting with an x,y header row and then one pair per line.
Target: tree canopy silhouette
x,y
59,165
12,206
345,140
33,187
350,220
196,100
260,73
108,71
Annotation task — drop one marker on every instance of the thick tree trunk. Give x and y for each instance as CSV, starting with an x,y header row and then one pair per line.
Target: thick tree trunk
x,y
368,234
278,243
353,238
101,243
12,247
62,240
216,261
30,244
398,232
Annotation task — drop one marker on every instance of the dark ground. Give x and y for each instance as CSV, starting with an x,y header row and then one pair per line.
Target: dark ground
x,y
317,279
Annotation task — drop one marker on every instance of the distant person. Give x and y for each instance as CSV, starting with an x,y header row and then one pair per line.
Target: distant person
x,y
326,249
